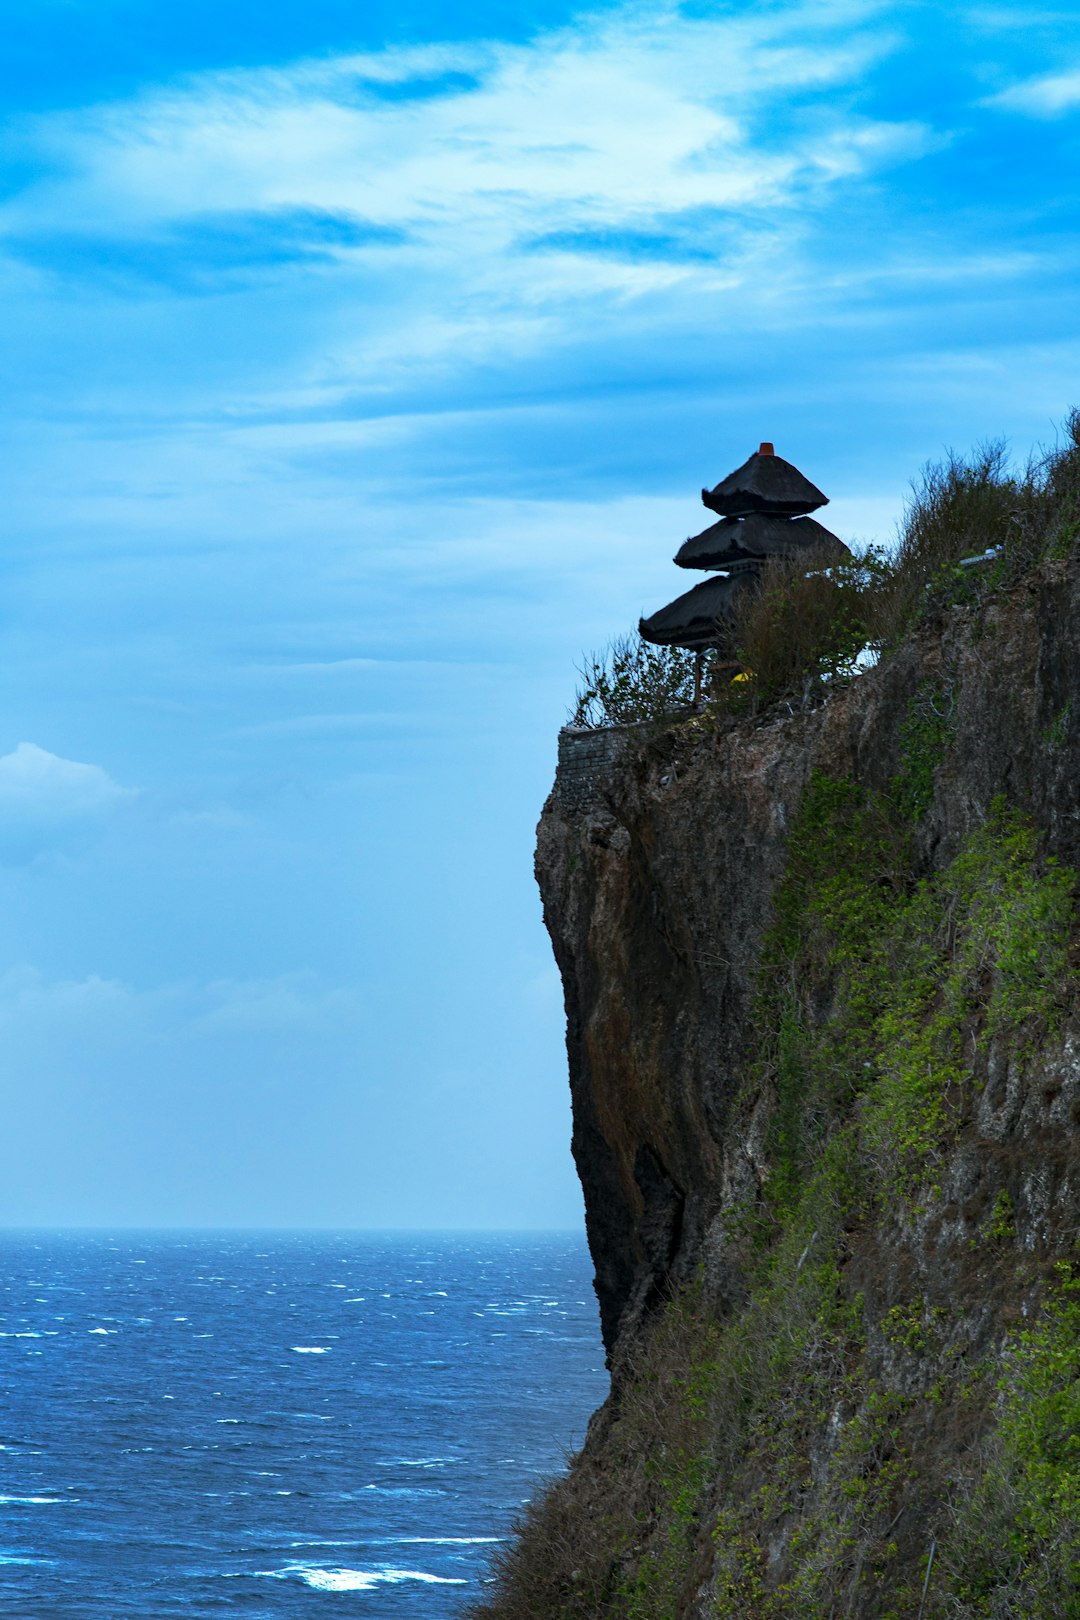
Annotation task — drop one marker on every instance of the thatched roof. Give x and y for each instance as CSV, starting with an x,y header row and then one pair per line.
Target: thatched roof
x,y
696,619
735,540
765,483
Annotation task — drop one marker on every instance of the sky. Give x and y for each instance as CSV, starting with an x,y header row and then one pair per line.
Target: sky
x,y
361,366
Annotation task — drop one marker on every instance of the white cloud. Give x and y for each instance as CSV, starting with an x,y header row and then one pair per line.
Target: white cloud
x,y
28,998
292,1003
322,725
38,786
298,1003
1049,96
634,110
605,124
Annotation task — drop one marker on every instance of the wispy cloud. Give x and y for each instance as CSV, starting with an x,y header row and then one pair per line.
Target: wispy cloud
x,y
295,1003
38,786
1050,95
413,237
317,726
51,806
583,135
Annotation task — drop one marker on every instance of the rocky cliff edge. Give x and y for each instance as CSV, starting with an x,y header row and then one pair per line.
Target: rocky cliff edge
x,y
824,1050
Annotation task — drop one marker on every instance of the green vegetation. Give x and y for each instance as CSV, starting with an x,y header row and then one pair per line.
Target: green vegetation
x,y
1056,732
911,966
785,1460
1016,1551
779,1427
805,627
923,740
1001,1228
631,682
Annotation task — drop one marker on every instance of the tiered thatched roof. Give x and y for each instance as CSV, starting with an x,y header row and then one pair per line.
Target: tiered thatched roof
x,y
765,483
747,539
693,620
762,508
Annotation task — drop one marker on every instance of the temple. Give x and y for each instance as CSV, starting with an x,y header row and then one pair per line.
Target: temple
x,y
763,509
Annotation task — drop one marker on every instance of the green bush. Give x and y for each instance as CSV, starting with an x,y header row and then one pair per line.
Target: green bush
x,y
807,622
630,682
905,968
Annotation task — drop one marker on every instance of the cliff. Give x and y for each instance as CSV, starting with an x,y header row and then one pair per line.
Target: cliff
x,y
824,1046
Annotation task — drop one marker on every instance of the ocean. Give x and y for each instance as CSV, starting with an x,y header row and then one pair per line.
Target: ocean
x,y
266,1425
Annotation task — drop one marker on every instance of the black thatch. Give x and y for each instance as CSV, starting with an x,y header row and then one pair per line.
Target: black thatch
x,y
696,620
765,483
734,540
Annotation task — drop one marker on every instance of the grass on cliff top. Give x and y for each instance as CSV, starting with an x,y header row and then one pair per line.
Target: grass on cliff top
x,y
807,624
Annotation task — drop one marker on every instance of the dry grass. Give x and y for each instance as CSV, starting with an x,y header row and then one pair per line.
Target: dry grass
x,y
962,508
557,1563
808,622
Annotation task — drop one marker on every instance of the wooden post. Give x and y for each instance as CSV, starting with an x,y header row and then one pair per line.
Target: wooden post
x,y
699,659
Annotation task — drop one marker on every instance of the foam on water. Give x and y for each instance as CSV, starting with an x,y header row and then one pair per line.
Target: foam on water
x,y
420,1462
38,1501
357,1580
402,1490
447,1541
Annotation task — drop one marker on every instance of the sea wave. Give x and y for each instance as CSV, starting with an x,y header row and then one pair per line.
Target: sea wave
x,y
356,1580
35,1501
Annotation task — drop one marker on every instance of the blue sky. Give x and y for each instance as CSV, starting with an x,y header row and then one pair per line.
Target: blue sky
x,y
362,365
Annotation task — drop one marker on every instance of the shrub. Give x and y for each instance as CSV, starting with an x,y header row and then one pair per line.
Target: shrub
x,y
962,508
807,622
630,682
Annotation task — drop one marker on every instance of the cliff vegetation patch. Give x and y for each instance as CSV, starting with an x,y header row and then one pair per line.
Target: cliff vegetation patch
x,y
763,1465
973,527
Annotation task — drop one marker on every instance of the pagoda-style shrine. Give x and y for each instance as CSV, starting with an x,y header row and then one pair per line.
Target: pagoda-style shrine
x,y
762,508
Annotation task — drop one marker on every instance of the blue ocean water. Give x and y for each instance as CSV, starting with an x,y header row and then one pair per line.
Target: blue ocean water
x,y
268,1425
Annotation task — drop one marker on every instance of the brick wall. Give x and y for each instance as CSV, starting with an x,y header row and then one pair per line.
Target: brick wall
x,y
586,759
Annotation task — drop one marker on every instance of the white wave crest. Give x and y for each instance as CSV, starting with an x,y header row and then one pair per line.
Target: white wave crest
x,y
358,1580
420,1462
33,1501
445,1541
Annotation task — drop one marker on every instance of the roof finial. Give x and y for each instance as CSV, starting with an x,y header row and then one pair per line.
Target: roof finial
x,y
766,448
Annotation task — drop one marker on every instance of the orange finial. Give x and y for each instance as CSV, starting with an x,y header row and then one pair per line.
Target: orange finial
x,y
766,448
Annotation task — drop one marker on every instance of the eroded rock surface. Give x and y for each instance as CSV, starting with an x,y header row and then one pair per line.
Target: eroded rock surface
x,y
660,856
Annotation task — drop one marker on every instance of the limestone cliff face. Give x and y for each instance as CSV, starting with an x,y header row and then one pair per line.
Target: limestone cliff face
x,y
662,859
